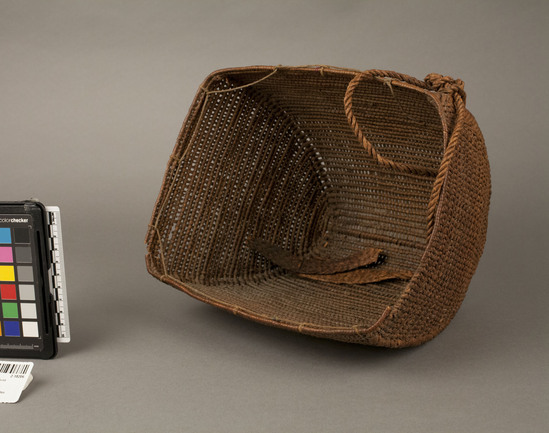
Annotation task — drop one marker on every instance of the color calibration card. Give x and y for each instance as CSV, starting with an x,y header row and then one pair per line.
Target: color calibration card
x,y
32,317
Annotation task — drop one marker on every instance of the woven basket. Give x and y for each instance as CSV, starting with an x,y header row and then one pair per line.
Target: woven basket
x,y
341,204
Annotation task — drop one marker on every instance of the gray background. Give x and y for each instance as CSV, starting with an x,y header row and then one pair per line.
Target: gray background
x,y
92,96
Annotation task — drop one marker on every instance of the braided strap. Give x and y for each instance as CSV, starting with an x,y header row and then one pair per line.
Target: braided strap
x,y
359,268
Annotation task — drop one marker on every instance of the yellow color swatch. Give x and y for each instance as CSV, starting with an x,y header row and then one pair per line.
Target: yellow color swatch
x,y
7,273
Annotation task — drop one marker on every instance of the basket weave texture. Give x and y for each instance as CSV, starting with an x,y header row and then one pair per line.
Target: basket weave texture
x,y
337,203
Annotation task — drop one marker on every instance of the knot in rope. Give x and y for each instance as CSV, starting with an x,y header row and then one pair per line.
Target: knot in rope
x,y
446,84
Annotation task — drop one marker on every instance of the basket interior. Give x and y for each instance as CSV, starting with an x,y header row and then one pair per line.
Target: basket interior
x,y
278,161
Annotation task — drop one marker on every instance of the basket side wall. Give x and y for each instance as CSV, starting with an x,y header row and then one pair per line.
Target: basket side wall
x,y
436,292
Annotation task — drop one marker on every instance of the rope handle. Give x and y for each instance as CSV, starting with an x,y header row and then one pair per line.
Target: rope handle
x,y
434,82
446,84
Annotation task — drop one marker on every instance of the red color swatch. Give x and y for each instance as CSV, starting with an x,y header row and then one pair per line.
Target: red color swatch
x,y
8,291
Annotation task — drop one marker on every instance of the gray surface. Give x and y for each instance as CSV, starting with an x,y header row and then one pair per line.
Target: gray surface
x,y
92,95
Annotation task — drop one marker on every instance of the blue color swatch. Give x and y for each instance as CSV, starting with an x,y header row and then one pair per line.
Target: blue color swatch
x,y
11,329
5,235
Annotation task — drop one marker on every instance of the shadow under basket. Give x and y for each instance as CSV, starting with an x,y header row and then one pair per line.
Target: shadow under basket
x,y
337,203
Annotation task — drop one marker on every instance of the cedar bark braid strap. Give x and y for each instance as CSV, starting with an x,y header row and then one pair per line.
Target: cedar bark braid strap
x,y
346,271
315,266
361,276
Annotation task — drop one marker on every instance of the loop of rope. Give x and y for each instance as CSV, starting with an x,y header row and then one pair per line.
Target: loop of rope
x,y
353,122
448,156
433,82
456,88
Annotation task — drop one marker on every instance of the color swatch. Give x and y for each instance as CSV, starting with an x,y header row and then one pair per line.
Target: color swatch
x,y
18,303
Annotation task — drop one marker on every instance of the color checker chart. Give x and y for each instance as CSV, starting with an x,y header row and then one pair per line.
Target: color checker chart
x,y
27,306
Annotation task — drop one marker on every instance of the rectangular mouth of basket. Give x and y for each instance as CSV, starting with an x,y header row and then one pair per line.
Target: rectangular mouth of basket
x,y
269,154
